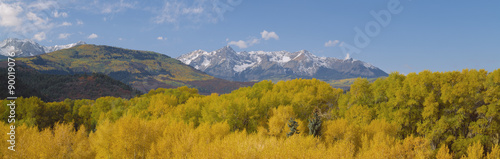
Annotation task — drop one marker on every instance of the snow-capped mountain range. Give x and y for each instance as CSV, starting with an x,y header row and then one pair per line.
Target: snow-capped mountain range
x,y
27,47
260,65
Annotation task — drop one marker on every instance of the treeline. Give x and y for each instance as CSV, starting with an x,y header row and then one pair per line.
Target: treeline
x,y
424,115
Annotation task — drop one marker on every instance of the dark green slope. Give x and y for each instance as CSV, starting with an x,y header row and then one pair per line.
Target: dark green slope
x,y
50,87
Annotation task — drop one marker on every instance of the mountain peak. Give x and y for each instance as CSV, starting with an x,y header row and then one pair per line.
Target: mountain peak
x,y
348,57
303,51
80,43
226,48
28,47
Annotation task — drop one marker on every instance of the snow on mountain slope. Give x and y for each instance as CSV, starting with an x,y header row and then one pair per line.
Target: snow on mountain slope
x,y
27,47
60,47
259,65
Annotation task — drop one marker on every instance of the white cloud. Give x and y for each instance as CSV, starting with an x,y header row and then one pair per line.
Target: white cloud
x,y
9,15
196,10
268,35
161,38
93,36
114,7
39,36
64,35
170,12
79,22
26,17
60,14
66,24
120,39
36,22
331,43
244,44
240,43
200,11
252,41
35,18
43,5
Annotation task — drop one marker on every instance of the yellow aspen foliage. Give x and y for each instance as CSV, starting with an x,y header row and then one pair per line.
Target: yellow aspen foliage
x,y
303,129
340,129
278,122
495,153
444,153
164,145
381,146
161,104
34,144
235,145
360,92
342,149
63,140
81,145
474,151
101,140
401,116
262,131
381,126
298,146
413,147
4,151
359,115
130,138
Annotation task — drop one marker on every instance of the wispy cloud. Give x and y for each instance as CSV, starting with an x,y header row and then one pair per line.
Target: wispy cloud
x,y
39,36
66,24
199,11
93,36
268,35
64,35
115,7
331,43
79,22
105,6
265,35
244,44
161,38
25,18
58,14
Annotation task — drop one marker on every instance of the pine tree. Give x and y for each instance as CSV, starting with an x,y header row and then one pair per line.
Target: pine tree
x,y
292,124
315,124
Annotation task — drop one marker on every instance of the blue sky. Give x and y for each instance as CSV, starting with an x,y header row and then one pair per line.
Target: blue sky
x,y
420,35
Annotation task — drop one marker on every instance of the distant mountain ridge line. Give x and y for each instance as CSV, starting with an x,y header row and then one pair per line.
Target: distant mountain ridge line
x,y
28,47
262,65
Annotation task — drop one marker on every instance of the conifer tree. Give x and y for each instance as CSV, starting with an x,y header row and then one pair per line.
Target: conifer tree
x,y
315,124
292,124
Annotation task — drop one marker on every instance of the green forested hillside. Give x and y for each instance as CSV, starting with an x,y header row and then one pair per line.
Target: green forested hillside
x,y
345,84
425,115
50,87
143,70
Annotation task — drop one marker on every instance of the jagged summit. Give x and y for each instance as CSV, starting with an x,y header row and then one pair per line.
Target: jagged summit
x,y
259,65
28,47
